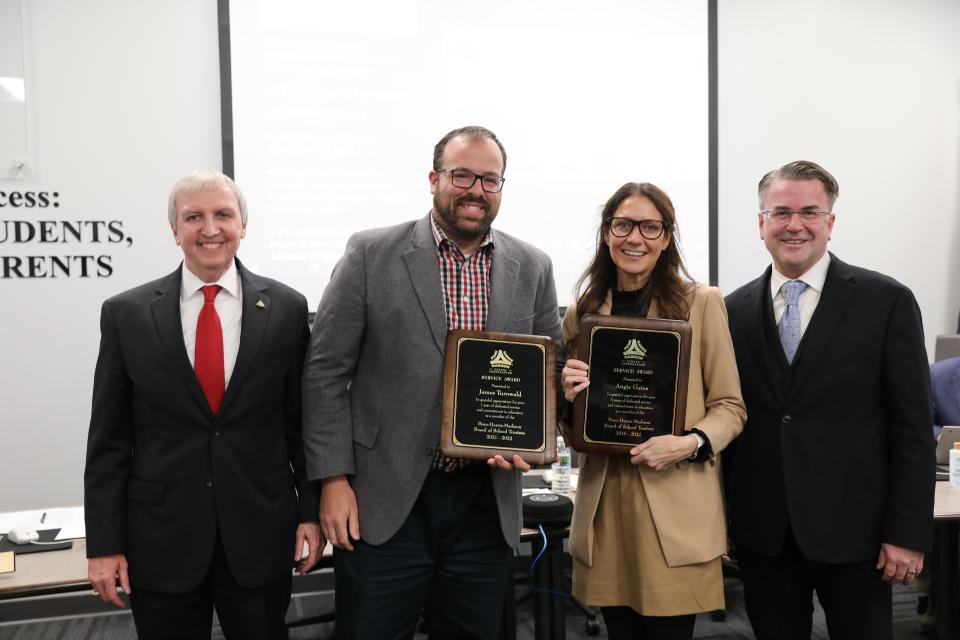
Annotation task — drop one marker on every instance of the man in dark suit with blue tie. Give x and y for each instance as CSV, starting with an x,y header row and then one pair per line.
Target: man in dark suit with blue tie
x,y
195,485
831,486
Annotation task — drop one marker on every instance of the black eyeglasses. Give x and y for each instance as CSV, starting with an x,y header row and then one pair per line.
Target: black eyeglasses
x,y
786,215
465,179
649,229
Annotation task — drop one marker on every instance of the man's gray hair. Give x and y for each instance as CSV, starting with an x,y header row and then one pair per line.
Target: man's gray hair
x,y
801,170
203,180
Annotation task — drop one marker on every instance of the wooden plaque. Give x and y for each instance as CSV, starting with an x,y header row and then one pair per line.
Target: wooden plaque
x,y
499,396
639,369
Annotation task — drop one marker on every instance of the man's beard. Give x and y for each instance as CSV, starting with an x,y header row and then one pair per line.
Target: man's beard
x,y
454,226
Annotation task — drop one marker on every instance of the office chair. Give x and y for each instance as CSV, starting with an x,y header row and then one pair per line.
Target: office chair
x,y
948,346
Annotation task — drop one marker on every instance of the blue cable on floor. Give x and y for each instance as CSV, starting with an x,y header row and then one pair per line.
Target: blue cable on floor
x,y
533,564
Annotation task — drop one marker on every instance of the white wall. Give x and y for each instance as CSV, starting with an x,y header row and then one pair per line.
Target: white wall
x,y
870,89
335,118
122,99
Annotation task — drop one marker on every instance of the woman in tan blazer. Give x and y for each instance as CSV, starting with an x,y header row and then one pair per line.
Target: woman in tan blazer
x,y
649,528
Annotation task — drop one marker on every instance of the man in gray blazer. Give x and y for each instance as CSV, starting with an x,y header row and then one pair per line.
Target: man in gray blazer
x,y
413,529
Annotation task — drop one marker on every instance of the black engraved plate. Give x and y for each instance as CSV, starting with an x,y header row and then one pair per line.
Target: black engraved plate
x,y
638,381
498,396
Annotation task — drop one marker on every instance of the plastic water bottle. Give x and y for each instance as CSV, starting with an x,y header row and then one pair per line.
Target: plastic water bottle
x,y
954,467
561,468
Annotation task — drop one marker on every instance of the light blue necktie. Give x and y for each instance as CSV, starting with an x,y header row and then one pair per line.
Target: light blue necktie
x,y
790,322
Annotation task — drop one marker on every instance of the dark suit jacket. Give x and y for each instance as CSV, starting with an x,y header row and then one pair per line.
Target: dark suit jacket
x,y
164,474
374,374
839,446
945,381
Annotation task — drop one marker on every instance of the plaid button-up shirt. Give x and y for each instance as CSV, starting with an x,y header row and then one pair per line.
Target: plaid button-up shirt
x,y
465,282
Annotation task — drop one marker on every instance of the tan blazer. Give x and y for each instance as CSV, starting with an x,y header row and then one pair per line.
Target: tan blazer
x,y
685,499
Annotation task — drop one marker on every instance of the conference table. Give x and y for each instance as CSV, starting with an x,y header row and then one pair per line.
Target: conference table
x,y
39,574
946,559
62,571
65,571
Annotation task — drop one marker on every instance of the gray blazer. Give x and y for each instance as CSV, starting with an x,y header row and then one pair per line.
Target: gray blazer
x,y
373,376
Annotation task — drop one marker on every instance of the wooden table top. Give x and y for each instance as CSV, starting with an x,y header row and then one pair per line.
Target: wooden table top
x,y
946,503
47,572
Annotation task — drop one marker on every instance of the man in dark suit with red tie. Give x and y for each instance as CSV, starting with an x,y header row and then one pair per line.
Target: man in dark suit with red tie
x,y
832,479
195,488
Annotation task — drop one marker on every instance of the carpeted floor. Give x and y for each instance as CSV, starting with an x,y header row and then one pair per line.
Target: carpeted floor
x,y
735,627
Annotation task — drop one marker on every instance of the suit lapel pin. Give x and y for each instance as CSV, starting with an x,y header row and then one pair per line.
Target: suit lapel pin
x,y
260,305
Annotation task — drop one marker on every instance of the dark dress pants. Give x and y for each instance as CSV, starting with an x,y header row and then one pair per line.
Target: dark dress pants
x,y
779,596
449,559
244,613
624,623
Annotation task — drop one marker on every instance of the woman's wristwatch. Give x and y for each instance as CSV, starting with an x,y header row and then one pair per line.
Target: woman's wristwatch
x,y
700,442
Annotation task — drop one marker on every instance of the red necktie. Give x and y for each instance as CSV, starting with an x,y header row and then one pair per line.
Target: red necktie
x,y
208,357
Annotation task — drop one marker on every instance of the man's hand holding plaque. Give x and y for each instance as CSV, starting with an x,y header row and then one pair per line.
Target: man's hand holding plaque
x,y
498,399
631,385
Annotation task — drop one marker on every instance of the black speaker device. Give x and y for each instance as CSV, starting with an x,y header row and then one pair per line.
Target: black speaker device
x,y
551,510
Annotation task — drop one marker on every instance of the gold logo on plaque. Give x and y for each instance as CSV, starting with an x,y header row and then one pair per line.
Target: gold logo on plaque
x,y
634,350
500,360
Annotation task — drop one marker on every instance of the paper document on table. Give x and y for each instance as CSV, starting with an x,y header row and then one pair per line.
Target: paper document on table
x,y
71,523
540,481
528,492
68,519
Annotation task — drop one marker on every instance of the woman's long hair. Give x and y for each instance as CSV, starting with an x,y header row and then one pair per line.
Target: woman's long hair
x,y
670,281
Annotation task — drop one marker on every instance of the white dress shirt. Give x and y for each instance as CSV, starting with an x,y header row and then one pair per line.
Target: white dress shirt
x,y
229,306
815,276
